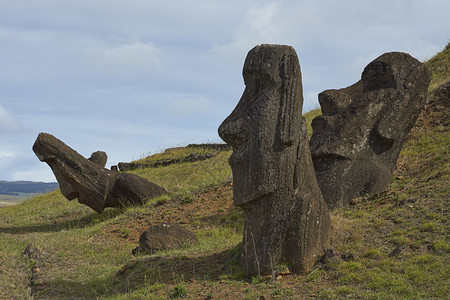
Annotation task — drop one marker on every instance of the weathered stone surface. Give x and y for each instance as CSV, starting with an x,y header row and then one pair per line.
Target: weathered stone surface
x,y
356,142
99,157
286,218
163,237
92,184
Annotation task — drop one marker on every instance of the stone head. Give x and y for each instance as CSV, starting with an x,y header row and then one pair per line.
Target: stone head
x,y
358,138
88,180
265,127
72,170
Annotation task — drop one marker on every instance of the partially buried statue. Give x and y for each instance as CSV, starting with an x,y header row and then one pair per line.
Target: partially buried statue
x,y
88,180
356,142
286,218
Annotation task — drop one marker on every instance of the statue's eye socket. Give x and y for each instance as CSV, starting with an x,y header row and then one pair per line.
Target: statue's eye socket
x,y
253,112
377,75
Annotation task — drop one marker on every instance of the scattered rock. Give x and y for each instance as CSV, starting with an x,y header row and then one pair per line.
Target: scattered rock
x,y
34,254
218,147
193,157
397,251
124,166
283,271
356,142
163,237
332,256
435,176
347,256
328,256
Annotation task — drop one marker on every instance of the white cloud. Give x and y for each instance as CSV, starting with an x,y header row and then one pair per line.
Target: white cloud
x,y
262,24
5,154
8,124
36,173
189,106
136,56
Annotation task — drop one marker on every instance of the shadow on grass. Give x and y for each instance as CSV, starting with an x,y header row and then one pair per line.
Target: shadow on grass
x,y
144,272
65,223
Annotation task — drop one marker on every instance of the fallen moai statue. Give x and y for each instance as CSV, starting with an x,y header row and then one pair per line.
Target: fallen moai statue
x,y
88,180
356,142
286,218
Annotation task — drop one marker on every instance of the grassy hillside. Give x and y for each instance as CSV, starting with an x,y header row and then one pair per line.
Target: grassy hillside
x,y
76,253
16,198
439,66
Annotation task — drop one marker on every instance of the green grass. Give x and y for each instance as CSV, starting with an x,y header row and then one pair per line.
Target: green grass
x,y
85,255
174,153
188,176
14,199
309,116
439,66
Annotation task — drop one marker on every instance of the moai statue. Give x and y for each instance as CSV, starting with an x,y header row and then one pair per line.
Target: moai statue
x,y
88,180
356,142
286,218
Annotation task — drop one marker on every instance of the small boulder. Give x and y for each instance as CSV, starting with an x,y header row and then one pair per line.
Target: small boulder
x,y
164,236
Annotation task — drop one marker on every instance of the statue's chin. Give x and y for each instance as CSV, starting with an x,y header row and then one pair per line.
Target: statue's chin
x,y
244,194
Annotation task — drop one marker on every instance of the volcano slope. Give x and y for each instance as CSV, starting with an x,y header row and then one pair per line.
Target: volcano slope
x,y
394,245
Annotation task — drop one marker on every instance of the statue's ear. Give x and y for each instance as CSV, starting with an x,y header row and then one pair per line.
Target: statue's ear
x,y
397,116
382,137
289,123
290,111
386,127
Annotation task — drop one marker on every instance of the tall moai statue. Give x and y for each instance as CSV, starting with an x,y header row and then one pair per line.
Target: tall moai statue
x,y
356,142
286,218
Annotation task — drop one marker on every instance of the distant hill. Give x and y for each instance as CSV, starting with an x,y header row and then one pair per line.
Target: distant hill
x,y
16,188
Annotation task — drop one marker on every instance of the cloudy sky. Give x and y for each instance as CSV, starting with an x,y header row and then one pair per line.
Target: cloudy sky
x,y
135,77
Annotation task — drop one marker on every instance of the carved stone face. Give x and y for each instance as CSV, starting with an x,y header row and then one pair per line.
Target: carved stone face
x,y
260,128
351,115
88,180
357,140
76,175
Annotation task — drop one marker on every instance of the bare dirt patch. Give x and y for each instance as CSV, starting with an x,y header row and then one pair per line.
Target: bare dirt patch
x,y
192,210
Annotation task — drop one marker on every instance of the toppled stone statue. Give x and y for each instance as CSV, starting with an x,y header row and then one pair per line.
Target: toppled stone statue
x,y
356,142
286,218
89,181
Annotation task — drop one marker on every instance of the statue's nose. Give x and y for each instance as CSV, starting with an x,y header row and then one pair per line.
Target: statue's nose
x,y
233,132
328,102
